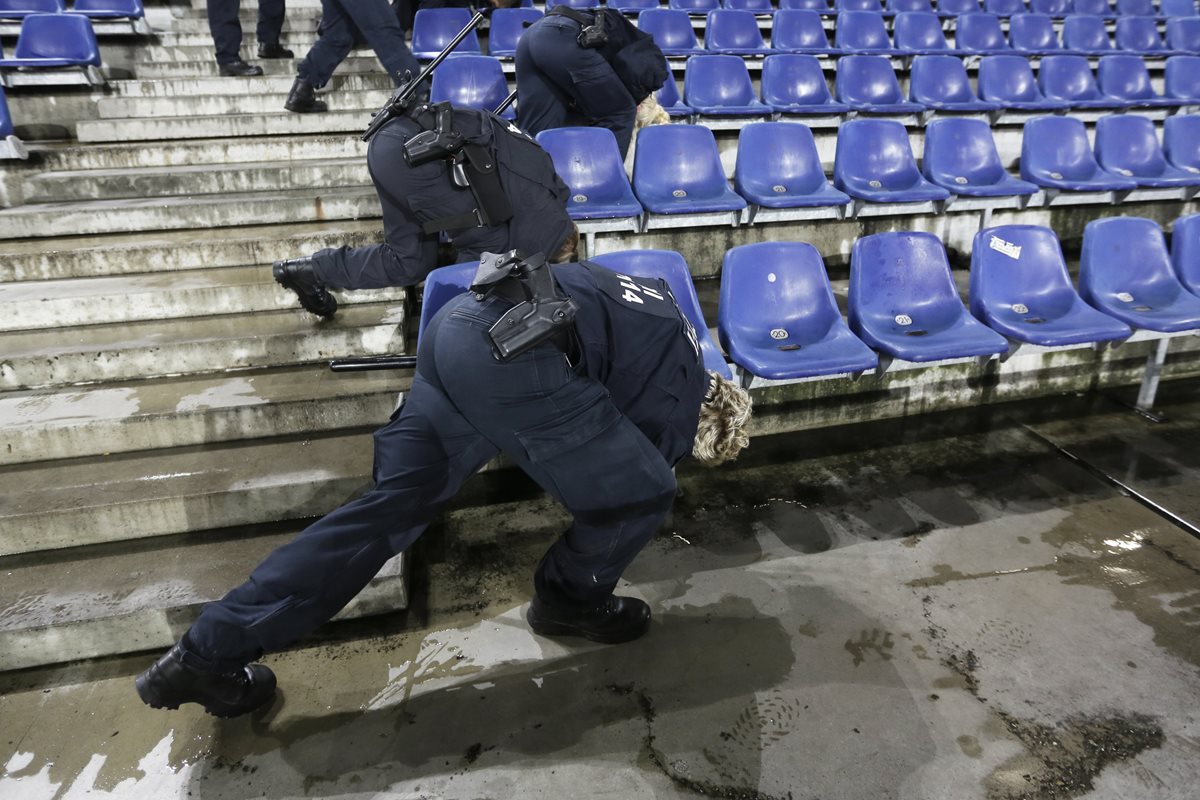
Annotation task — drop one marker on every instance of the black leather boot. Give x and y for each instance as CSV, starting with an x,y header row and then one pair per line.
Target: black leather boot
x,y
239,69
275,50
303,98
169,683
297,274
616,620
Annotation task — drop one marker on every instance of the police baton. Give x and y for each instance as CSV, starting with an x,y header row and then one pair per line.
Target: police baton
x,y
366,363
508,101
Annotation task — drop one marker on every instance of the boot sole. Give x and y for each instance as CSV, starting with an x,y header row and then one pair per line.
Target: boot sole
x,y
151,698
288,284
551,628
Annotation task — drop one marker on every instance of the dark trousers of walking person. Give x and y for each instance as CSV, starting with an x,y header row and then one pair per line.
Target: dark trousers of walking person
x,y
465,407
226,26
377,23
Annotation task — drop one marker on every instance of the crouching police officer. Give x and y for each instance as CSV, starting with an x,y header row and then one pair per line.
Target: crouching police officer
x,y
590,380
436,168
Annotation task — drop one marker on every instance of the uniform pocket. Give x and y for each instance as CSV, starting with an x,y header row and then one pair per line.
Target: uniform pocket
x,y
584,412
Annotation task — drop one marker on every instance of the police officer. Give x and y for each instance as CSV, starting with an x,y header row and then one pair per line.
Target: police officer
x,y
597,410
421,201
226,31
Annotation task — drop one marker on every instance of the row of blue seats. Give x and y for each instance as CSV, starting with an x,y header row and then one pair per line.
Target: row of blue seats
x,y
677,168
778,318
54,41
946,8
92,9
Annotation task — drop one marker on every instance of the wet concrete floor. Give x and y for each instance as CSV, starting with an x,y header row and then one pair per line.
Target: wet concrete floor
x,y
946,607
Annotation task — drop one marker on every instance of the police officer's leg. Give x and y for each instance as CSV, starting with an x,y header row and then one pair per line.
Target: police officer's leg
x,y
226,29
270,25
331,48
378,23
544,104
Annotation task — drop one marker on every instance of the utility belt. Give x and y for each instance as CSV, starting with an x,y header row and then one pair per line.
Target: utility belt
x,y
592,33
540,311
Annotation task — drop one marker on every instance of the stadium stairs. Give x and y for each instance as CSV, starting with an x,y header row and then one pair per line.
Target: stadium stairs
x,y
166,414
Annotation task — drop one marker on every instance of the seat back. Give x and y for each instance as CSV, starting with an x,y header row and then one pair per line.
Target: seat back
x,y
1067,78
633,6
961,152
1085,34
1185,252
732,30
1125,76
1183,33
670,266
1182,77
808,5
774,154
1139,34
589,163
979,32
470,81
434,28
1011,264
865,80
901,275
1127,144
671,28
1057,146
794,79
798,29
1126,256
918,30
873,6
441,286
507,25
1178,8
16,9
1135,8
1181,141
717,80
1056,8
1007,79
668,94
1032,32
696,7
1004,8
110,8
958,7
861,31
902,6
874,154
939,79
1099,8
756,6
582,5
6,123
60,36
670,158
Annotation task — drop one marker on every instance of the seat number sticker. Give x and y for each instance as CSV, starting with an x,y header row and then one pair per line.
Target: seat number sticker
x,y
1007,248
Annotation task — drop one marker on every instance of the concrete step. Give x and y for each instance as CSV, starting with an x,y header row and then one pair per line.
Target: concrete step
x,y
151,53
294,20
52,424
127,254
266,84
281,123
174,213
203,179
121,107
90,605
130,351
41,305
170,38
137,496
194,152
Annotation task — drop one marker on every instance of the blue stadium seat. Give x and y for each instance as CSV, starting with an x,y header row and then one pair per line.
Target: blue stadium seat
x,y
861,32
961,156
903,301
632,7
1181,79
582,5
806,5
1181,142
1139,35
980,34
1033,34
902,6
1009,81
670,266
1183,34
1053,8
697,8
1185,252
778,167
109,9
677,170
1135,8
756,6
1096,8
778,318
941,83
872,6
1004,8
1086,36
733,33
54,40
955,8
434,28
19,9
868,85
441,286
1127,144
919,33
507,25
799,31
1070,79
1178,8
1126,77
794,83
672,31
668,97
1125,271
719,85
874,162
588,161
1055,154
1021,288
471,81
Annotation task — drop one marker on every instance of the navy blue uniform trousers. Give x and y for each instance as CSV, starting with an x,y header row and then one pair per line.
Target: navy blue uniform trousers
x,y
226,28
376,21
464,408
560,84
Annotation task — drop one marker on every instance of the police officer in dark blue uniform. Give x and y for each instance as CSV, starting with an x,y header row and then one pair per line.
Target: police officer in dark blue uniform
x,y
226,31
596,390
420,201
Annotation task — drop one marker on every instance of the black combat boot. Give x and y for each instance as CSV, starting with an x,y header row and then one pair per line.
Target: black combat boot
x,y
275,50
303,98
297,274
616,620
239,69
169,683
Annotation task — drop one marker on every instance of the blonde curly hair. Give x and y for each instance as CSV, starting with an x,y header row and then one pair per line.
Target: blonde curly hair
x,y
724,414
